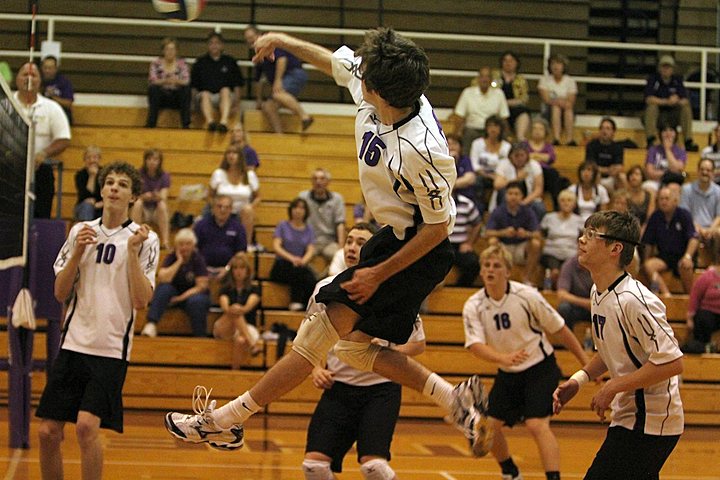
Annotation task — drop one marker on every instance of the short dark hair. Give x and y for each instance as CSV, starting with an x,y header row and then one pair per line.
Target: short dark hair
x,y
50,57
294,203
394,67
125,168
364,226
618,225
560,58
513,55
519,184
610,121
497,121
215,34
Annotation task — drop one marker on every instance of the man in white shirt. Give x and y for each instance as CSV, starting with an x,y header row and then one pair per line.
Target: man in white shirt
x,y
407,176
52,134
636,346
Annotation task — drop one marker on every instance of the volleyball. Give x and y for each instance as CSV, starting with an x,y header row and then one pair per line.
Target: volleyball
x,y
179,10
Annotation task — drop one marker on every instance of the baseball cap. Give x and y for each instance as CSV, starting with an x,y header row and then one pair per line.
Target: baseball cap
x,y
667,60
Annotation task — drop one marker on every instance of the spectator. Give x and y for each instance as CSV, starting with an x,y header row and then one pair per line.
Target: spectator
x,y
703,316
542,151
87,184
52,134
293,245
519,167
486,153
287,78
151,205
326,215
515,225
558,92
702,199
466,231
239,301
239,139
561,230
620,202
607,154
169,84
234,180
57,86
641,200
475,105
712,152
591,196
667,103
182,282
671,242
220,235
217,79
350,249
665,162
466,176
515,88
573,291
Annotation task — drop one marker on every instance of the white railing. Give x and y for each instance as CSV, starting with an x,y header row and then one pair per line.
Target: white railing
x,y
547,44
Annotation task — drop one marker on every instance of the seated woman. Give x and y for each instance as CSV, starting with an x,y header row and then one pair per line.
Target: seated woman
x,y
591,196
515,88
169,85
182,282
239,139
151,205
233,179
703,317
293,244
712,152
89,204
641,200
519,167
561,230
666,161
486,153
558,92
239,301
543,152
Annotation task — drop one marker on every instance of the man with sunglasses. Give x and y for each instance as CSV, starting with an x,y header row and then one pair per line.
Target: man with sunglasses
x,y
636,346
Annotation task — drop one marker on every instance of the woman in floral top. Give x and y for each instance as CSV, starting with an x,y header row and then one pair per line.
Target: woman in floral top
x,y
169,84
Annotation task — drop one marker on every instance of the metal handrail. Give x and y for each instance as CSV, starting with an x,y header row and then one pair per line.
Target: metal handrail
x,y
547,43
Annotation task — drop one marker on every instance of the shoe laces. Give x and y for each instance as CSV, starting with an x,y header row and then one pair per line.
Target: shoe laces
x,y
201,401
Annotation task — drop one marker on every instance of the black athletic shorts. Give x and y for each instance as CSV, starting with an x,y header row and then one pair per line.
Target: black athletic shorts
x,y
84,382
631,455
348,413
527,394
391,312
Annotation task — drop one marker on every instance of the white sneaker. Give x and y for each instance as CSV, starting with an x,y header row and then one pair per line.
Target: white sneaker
x,y
507,476
470,415
201,428
149,330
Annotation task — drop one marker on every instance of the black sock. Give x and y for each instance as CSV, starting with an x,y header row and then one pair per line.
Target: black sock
x,y
509,468
552,475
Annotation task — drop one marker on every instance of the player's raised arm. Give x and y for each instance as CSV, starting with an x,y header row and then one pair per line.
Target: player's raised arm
x,y
316,55
141,289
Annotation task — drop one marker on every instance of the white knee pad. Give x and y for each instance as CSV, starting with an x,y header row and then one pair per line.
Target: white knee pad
x,y
315,337
360,355
377,469
317,470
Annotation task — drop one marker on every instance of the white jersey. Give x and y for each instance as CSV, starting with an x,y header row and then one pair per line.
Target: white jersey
x,y
518,321
406,173
100,316
629,329
343,372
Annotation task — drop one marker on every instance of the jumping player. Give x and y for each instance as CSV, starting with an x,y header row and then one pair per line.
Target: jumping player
x,y
635,344
406,175
505,323
106,270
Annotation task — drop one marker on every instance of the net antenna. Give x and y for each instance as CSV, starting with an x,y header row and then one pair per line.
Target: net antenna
x,y
32,42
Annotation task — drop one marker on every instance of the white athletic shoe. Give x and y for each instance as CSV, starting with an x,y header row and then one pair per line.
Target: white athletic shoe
x,y
470,415
149,330
201,428
507,476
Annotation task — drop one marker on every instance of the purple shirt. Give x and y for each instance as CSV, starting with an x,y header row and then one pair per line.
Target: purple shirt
x,y
293,240
251,157
184,278
501,218
463,165
150,184
656,156
574,278
61,87
218,244
671,238
267,67
546,148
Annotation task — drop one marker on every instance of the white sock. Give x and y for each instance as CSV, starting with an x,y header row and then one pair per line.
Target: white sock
x,y
236,412
439,390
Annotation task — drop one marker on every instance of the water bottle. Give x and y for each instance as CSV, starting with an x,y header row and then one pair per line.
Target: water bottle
x,y
547,281
588,341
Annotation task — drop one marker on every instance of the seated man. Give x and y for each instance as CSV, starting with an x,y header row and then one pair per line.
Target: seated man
x,y
671,242
517,228
220,235
573,290
326,214
702,199
667,102
217,79
182,282
57,86
608,155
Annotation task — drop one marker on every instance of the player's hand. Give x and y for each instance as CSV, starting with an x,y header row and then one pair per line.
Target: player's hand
x,y
86,236
265,46
141,234
322,378
514,358
563,394
602,399
362,285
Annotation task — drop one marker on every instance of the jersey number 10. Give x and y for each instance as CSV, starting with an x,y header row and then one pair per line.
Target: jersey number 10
x,y
105,253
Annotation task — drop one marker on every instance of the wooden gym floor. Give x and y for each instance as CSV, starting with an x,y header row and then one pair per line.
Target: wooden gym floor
x,y
422,450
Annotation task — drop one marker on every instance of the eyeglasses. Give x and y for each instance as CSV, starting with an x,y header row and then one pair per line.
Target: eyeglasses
x,y
589,233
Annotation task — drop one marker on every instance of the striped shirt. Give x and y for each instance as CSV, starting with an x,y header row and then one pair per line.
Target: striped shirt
x,y
467,217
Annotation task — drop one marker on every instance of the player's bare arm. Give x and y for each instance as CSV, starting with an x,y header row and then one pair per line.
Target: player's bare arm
x,y
365,281
319,57
567,390
490,354
65,280
140,289
570,341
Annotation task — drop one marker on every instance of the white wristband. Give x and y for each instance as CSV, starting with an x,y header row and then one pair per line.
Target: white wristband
x,y
581,377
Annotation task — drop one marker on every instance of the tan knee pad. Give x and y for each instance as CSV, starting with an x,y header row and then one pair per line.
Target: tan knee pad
x,y
315,337
360,355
